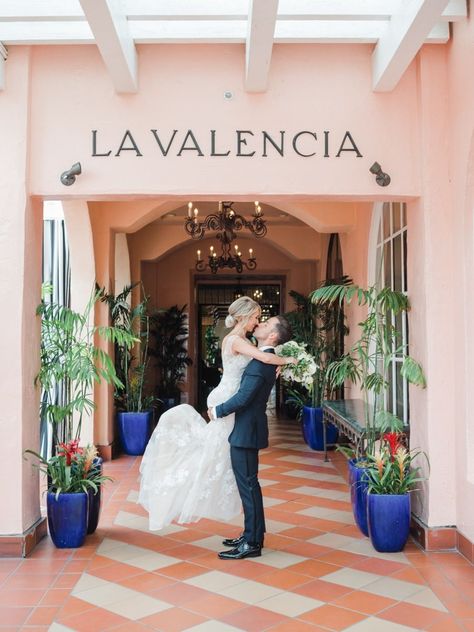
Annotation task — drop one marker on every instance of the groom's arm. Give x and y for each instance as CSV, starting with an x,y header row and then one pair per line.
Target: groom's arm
x,y
251,383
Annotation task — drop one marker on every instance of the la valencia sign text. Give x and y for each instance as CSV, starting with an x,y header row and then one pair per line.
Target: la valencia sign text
x,y
241,143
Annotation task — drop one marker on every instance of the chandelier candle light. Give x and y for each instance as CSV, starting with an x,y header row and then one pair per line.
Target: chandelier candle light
x,y
226,222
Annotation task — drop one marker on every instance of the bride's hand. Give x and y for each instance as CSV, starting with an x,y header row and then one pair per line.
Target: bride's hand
x,y
292,360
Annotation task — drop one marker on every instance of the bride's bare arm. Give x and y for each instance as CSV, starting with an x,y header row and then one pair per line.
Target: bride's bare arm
x,y
239,345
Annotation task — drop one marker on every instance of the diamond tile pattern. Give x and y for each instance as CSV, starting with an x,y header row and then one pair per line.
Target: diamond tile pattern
x,y
317,572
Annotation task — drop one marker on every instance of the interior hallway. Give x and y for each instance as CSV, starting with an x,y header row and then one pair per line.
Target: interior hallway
x,y
316,573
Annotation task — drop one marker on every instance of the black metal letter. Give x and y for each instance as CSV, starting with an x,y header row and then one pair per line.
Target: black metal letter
x,y
354,147
189,134
157,138
134,146
326,144
280,149
213,145
94,145
243,141
295,139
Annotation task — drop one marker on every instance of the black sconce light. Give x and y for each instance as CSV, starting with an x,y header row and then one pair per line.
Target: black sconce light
x,y
381,178
69,177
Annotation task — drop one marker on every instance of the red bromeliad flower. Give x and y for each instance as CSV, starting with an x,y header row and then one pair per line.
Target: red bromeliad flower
x,y
69,450
394,440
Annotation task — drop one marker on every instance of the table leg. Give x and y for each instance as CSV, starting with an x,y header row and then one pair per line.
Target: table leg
x,y
326,460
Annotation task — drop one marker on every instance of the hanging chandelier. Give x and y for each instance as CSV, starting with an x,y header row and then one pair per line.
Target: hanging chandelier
x,y
227,259
226,223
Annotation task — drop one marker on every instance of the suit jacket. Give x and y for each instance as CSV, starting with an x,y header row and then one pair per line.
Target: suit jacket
x,y
249,405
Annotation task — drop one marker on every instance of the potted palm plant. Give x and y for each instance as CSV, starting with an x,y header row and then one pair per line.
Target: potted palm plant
x,y
319,327
134,406
68,356
70,361
391,476
169,336
368,363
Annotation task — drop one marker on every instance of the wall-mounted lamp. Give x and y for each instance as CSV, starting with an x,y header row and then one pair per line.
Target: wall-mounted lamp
x,y
69,177
381,178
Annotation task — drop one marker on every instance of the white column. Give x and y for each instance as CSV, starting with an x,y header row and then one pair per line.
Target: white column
x,y
122,263
81,251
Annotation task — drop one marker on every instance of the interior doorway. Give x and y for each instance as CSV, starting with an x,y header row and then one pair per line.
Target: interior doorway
x,y
213,300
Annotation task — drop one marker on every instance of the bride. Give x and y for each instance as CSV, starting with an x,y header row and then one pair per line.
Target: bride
x,y
186,473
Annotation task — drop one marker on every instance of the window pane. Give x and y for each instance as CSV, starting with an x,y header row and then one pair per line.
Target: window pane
x,y
378,266
399,391
397,263
404,215
405,284
398,327
396,224
387,264
389,402
386,220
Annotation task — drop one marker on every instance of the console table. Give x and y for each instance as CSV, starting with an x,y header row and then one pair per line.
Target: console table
x,y
350,417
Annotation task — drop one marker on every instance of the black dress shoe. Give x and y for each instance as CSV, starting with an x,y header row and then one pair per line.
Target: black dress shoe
x,y
233,542
240,552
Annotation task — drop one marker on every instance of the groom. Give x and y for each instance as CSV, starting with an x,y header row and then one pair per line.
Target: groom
x,y
250,434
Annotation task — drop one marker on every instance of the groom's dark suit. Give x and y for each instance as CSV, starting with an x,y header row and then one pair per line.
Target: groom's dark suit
x,y
250,434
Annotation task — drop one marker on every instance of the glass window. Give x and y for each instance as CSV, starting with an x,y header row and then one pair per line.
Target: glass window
x,y
396,219
387,212
391,261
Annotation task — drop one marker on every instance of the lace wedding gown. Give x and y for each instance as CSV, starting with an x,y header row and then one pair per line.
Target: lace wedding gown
x,y
186,473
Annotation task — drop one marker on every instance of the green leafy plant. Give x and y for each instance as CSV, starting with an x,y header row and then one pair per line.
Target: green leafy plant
x,y
131,363
72,469
319,327
170,332
371,356
390,469
69,357
211,342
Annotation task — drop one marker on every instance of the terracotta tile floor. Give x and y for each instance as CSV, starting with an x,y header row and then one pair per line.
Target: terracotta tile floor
x,y
317,571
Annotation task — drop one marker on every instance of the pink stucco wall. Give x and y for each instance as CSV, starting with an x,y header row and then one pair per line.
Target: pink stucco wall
x,y
311,88
20,277
460,418
421,133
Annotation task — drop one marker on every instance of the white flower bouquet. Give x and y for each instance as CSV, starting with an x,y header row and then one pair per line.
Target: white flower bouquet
x,y
301,372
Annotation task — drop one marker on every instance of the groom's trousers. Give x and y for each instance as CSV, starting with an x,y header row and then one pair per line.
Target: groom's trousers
x,y
245,467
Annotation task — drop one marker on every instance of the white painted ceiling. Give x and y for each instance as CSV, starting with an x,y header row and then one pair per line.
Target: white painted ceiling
x,y
396,28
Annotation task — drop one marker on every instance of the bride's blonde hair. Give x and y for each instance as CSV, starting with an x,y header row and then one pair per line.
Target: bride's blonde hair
x,y
240,311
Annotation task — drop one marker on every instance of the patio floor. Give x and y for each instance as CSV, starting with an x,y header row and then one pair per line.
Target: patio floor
x,y
317,572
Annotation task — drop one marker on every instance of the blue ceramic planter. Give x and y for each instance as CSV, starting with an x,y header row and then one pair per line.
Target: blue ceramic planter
x,y
358,486
312,426
389,521
94,502
67,519
134,431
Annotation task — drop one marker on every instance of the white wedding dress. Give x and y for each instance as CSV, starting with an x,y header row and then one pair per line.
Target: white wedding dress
x,y
186,473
